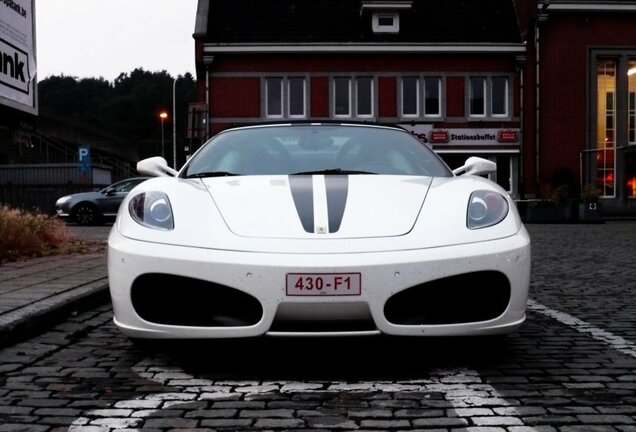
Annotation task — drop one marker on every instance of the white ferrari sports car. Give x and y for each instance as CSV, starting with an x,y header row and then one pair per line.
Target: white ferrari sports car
x,y
317,229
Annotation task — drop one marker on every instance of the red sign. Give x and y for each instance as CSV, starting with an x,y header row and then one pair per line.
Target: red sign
x,y
439,136
507,136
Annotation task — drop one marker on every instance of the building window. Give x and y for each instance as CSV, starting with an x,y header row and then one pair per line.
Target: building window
x,y
274,97
630,174
285,97
432,97
631,92
488,97
342,96
499,95
364,97
477,97
386,22
296,97
429,98
410,99
353,97
606,126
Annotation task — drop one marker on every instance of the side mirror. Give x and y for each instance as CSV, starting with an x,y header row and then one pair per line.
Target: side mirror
x,y
476,166
110,191
156,167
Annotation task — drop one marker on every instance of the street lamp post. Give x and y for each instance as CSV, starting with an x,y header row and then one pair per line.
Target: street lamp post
x,y
162,115
174,124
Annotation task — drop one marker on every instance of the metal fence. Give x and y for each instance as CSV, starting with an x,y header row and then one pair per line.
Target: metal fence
x,y
39,197
38,186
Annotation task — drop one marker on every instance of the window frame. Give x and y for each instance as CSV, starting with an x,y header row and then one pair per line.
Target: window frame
x,y
304,97
420,97
334,94
488,96
371,97
353,88
439,96
285,97
506,96
381,28
268,80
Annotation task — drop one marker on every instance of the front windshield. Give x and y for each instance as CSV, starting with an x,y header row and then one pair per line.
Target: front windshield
x,y
315,149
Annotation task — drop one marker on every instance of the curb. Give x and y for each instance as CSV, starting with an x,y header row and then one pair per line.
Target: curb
x,y
34,318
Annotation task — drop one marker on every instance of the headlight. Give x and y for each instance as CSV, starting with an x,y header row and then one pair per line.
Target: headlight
x,y
152,209
485,208
62,200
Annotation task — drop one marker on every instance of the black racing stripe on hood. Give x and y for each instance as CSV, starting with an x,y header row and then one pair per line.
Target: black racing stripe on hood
x,y
337,190
302,190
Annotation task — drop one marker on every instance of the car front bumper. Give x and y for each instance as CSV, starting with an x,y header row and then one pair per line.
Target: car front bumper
x,y
263,277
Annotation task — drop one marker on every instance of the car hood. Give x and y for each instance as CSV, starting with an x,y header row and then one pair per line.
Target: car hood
x,y
319,206
85,196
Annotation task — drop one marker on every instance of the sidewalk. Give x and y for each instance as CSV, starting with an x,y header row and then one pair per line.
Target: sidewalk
x,y
37,292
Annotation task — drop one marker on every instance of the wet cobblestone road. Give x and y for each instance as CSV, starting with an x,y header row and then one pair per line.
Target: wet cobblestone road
x,y
570,368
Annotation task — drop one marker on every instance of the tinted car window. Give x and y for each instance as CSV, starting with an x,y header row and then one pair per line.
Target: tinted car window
x,y
295,149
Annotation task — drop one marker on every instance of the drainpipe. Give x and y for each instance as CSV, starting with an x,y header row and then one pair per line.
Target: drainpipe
x,y
208,62
542,17
537,145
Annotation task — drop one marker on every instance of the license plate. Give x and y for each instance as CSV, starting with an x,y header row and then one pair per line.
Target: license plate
x,y
323,284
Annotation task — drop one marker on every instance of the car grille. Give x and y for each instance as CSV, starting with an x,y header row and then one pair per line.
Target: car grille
x,y
465,298
177,300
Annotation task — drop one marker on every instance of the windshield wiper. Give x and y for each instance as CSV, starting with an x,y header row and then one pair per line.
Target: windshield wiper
x,y
211,174
333,171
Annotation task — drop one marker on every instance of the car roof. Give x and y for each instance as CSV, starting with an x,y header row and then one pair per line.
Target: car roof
x,y
316,123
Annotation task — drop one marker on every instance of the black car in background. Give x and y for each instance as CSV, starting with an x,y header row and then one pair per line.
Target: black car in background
x,y
92,208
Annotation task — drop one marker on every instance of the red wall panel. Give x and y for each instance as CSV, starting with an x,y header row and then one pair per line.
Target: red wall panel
x,y
455,96
319,97
235,97
387,97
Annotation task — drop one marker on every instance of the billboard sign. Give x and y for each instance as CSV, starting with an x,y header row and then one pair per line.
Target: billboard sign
x,y
17,55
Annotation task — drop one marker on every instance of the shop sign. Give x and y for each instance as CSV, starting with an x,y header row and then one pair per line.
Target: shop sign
x,y
508,136
476,136
17,55
439,136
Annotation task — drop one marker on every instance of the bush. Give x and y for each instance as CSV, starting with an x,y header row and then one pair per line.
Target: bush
x,y
29,234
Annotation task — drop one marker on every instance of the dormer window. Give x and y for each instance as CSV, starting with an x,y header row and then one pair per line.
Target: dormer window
x,y
386,22
385,14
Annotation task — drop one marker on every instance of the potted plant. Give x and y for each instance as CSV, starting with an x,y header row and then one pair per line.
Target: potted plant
x,y
590,206
555,208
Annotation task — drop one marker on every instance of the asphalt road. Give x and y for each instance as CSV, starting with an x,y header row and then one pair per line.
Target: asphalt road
x,y
570,368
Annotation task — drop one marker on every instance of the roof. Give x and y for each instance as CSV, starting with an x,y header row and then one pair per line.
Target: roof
x,y
246,22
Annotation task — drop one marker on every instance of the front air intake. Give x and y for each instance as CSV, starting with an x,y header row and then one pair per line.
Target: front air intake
x,y
177,300
465,298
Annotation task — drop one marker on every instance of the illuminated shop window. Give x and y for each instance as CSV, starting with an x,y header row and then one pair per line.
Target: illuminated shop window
x,y
606,126
630,175
631,102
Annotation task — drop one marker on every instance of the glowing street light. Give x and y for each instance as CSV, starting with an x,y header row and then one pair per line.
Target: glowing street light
x,y
162,115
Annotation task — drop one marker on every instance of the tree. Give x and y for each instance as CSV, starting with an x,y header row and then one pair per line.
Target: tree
x,y
127,107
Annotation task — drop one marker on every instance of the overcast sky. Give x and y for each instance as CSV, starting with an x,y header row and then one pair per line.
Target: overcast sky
x,y
103,38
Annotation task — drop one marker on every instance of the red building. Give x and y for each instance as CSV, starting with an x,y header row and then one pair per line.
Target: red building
x,y
580,122
462,75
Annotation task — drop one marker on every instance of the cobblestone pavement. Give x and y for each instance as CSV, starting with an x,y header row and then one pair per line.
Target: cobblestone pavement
x,y
570,368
